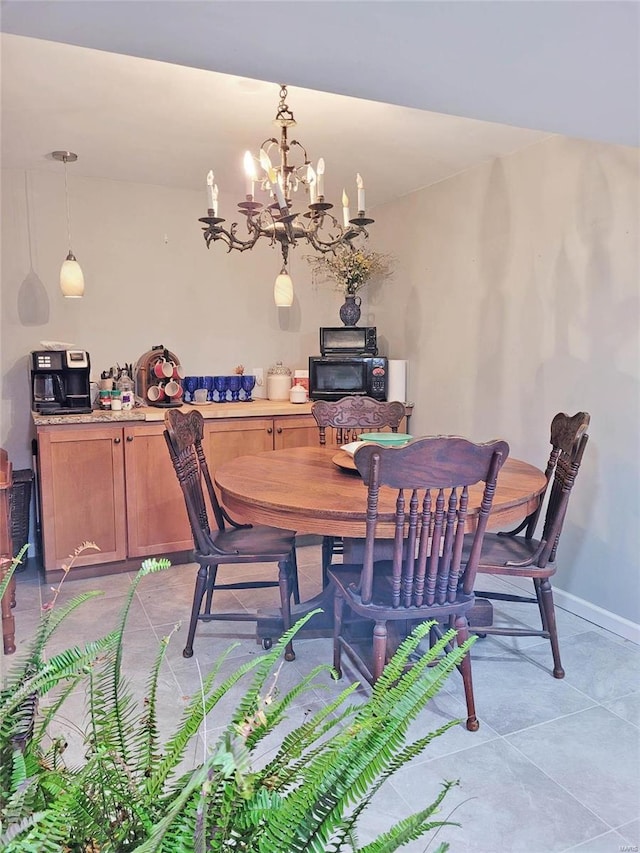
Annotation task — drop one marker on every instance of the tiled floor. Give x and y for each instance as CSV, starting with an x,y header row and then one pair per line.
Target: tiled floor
x,y
554,766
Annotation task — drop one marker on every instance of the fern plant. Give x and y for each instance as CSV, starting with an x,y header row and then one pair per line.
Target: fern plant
x,y
129,795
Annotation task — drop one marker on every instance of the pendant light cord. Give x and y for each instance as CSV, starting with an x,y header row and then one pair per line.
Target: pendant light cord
x,y
66,193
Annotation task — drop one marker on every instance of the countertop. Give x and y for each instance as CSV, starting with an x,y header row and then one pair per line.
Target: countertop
x,y
258,408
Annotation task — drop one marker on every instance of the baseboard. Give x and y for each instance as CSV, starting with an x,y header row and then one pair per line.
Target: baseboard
x,y
587,610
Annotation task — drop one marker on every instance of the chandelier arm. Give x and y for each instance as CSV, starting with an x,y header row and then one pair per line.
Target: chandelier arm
x,y
331,245
344,235
300,145
217,232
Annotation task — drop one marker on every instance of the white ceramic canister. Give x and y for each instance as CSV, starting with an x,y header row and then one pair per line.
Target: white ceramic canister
x,y
298,394
278,382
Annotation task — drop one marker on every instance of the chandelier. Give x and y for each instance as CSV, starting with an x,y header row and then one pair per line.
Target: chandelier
x,y
274,218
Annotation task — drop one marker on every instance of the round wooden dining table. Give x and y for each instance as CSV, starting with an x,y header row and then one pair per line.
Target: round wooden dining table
x,y
313,490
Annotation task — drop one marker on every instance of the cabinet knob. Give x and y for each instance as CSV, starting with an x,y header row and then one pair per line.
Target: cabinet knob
x,y
269,430
116,441
279,430
129,438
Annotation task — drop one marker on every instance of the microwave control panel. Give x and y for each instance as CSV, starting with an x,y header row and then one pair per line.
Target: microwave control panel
x,y
378,377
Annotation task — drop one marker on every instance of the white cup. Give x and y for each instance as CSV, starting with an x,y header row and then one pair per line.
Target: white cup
x,y
155,393
173,389
163,369
200,395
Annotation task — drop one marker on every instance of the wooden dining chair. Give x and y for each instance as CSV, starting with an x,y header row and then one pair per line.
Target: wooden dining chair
x,y
351,416
229,543
426,577
522,556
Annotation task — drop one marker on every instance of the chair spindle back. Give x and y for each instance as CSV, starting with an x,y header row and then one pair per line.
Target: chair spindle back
x,y
432,477
350,416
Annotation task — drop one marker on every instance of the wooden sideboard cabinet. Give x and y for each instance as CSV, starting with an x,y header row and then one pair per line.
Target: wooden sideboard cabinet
x,y
113,484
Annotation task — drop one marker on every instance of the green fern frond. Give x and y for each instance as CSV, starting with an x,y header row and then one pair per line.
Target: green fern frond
x,y
412,827
148,567
67,664
54,618
336,778
276,708
290,762
197,709
9,572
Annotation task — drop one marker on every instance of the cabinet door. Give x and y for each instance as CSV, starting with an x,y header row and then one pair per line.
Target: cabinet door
x,y
82,494
227,439
296,431
157,521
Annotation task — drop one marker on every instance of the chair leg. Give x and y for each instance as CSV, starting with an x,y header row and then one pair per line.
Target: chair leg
x,y
550,620
284,573
379,649
462,628
338,607
294,577
211,580
327,553
198,593
537,584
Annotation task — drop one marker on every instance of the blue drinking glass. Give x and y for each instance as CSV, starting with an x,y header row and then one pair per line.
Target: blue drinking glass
x,y
208,384
220,384
190,385
248,383
234,384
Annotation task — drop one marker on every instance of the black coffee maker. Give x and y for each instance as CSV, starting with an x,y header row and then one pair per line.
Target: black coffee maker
x,y
60,382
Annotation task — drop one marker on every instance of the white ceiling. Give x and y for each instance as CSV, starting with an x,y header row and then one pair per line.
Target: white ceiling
x,y
564,66
569,67
133,119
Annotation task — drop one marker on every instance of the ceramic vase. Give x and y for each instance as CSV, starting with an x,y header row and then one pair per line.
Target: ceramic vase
x,y
350,311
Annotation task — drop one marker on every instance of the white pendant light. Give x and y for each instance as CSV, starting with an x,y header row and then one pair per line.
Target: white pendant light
x,y
283,290
71,276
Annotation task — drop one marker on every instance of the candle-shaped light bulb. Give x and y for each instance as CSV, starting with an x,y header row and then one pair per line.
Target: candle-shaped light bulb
x,y
250,172
345,208
360,184
265,161
276,187
210,190
320,172
214,199
311,180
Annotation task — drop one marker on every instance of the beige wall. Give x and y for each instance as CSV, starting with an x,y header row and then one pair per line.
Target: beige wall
x,y
515,296
149,280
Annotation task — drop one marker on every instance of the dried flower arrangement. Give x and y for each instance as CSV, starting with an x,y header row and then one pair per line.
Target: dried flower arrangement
x,y
350,269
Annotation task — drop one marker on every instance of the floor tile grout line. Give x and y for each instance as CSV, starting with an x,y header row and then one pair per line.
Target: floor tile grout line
x,y
566,791
595,704
588,841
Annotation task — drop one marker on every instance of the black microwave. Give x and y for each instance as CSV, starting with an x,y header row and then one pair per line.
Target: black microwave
x,y
333,377
342,340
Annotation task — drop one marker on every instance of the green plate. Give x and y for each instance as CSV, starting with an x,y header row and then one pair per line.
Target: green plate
x,y
389,439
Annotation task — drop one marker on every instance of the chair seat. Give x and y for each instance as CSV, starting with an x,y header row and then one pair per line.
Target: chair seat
x,y
499,550
258,543
347,577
